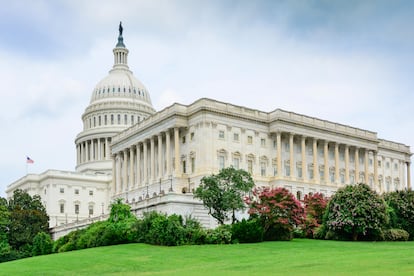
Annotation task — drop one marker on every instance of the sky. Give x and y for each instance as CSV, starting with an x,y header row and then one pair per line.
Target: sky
x,y
349,62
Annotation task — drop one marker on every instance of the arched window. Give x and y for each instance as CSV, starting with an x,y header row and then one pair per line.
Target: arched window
x,y
119,119
112,119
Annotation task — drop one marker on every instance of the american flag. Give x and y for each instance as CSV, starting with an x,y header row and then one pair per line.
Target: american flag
x,y
28,160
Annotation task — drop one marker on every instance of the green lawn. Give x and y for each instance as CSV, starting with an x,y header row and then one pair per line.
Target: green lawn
x,y
297,257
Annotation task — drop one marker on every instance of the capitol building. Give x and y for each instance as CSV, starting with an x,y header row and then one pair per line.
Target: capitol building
x,y
155,159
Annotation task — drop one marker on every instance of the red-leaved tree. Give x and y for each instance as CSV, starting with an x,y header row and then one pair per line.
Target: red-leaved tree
x,y
315,206
278,210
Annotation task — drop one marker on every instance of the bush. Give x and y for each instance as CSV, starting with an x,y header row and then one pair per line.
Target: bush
x,y
396,235
355,212
42,244
401,210
315,206
247,231
219,235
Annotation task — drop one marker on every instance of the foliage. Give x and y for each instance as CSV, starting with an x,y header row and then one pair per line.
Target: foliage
x,y
247,231
4,221
219,235
42,244
27,218
120,211
355,212
401,210
278,210
223,193
315,206
396,235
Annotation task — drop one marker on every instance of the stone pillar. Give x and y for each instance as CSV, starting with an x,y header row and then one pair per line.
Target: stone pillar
x,y
291,157
346,164
125,171
176,151
279,154
107,153
113,184
356,165
92,157
315,161
99,155
131,168
366,172
152,156
83,152
160,166
408,176
304,165
326,162
87,152
118,173
168,151
138,166
145,162
337,163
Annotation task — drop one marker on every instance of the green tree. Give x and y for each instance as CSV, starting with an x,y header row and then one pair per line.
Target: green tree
x,y
401,210
27,218
42,244
4,220
223,193
356,212
315,206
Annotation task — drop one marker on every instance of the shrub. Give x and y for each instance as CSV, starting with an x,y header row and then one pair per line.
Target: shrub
x,y
401,210
247,231
396,235
315,206
355,212
42,244
278,211
219,235
194,233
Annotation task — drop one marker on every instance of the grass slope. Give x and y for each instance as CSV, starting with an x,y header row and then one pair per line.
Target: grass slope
x,y
298,257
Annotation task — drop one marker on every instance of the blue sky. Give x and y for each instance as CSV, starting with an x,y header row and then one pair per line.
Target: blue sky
x,y
349,62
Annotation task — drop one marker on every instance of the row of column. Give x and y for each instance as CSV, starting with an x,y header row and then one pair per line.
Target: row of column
x,y
316,176
136,166
93,150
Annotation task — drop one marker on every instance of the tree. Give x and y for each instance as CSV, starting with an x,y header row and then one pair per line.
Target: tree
x,y
27,218
354,212
4,220
223,193
278,210
315,206
401,209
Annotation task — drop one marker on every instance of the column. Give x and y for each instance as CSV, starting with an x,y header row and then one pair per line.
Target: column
x,y
87,152
131,168
176,152
356,165
315,161
304,165
408,176
113,192
93,157
152,156
107,153
138,169
346,164
167,152
279,154
83,152
326,161
118,173
375,169
99,157
366,174
145,162
291,157
337,163
160,166
125,173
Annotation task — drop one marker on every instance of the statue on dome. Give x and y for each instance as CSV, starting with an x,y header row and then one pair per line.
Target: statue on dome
x,y
120,28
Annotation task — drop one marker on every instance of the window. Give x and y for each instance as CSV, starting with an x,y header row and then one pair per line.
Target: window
x,y
125,118
287,147
221,162
192,136
62,208
106,120
184,166
332,176
94,121
263,142
370,162
90,192
351,158
299,195
119,119
112,119
192,164
236,137
221,134
62,190
274,170
379,163
99,120
310,172
321,173
76,208
287,169
132,119
183,139
388,165
274,144
263,168
396,167
250,166
90,210
299,171
342,178
249,140
76,191
236,163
